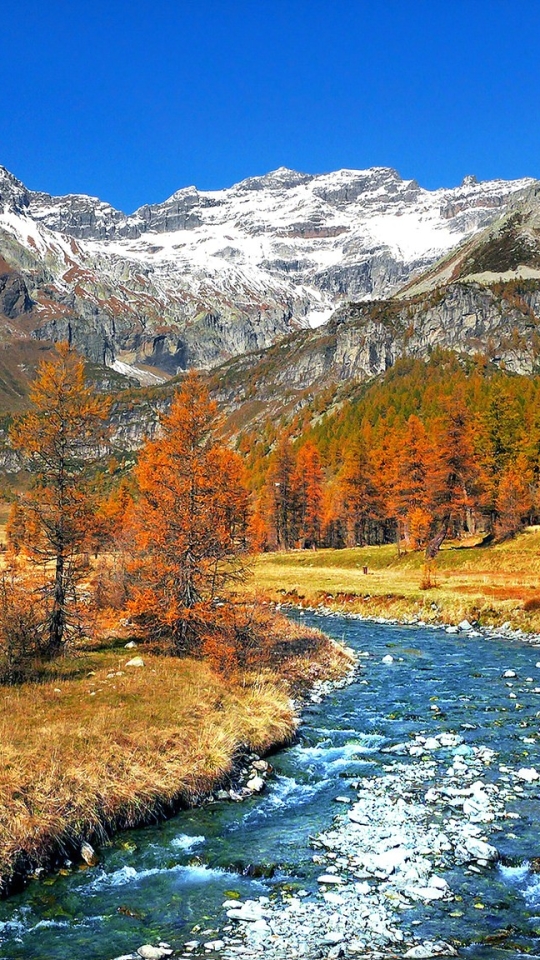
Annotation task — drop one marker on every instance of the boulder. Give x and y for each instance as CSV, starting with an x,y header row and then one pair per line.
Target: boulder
x,y
480,850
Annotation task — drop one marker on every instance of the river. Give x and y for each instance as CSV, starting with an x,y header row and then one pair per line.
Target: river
x,y
161,882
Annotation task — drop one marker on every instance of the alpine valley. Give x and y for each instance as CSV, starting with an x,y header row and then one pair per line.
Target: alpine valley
x,y
322,277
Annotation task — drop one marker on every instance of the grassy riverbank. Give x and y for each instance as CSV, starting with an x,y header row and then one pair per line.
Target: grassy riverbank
x,y
93,745
490,584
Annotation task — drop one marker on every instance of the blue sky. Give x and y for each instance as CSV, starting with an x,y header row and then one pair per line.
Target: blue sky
x,y
130,101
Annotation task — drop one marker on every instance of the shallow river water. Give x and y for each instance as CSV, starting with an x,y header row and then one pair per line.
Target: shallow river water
x,y
160,882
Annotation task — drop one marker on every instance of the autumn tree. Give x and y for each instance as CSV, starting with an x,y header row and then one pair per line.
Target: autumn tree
x,y
307,482
61,438
280,495
361,496
454,484
515,498
190,519
409,495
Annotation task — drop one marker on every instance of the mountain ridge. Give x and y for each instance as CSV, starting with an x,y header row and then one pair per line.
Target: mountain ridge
x,y
208,275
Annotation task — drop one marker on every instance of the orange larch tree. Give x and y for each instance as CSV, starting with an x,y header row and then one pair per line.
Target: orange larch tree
x,y
189,520
409,494
307,482
61,438
280,496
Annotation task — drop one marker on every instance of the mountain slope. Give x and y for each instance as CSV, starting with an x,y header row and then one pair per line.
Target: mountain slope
x,y
209,275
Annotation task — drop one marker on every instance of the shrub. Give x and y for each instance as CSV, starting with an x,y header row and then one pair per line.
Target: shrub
x,y
19,630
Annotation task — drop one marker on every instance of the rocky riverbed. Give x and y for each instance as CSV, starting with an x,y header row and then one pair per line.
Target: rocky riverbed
x,y
390,850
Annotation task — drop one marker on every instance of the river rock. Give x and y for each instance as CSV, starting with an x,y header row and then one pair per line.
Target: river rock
x,y
148,952
248,912
480,850
333,937
256,784
431,948
388,658
88,854
509,674
528,774
261,765
465,626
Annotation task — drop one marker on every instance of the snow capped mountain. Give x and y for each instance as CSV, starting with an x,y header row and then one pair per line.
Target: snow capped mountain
x,y
209,274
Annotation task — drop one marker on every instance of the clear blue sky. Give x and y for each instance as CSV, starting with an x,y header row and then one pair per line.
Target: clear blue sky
x,y
130,101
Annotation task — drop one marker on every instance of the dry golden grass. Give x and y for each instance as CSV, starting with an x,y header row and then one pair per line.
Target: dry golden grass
x,y
97,745
491,584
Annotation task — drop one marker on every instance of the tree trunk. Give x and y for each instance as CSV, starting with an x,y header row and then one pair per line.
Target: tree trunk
x,y
57,621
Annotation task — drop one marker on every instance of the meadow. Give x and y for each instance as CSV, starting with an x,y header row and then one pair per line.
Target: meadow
x,y
490,584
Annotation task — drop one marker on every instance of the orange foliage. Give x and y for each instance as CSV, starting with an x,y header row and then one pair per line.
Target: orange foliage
x,y
61,438
189,520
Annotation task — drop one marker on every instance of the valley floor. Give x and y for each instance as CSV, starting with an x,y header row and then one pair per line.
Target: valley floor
x,y
490,585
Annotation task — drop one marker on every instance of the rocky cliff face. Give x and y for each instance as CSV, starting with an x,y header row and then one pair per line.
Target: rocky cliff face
x,y
364,340
209,275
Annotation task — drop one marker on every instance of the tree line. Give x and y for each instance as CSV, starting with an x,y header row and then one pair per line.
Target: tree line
x,y
447,448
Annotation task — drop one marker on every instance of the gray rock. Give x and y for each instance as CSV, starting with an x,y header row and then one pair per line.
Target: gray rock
x,y
148,952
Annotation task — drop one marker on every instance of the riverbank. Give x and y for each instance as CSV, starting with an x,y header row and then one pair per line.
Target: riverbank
x,y
490,586
112,738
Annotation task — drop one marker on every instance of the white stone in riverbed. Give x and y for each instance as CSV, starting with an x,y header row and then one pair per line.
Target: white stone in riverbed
x,y
329,878
357,815
465,626
432,744
386,862
508,674
333,937
431,948
148,952
480,850
332,897
425,893
256,784
248,912
388,658
88,854
528,774
214,945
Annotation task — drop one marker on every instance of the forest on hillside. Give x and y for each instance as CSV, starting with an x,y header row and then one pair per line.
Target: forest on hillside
x,y
438,449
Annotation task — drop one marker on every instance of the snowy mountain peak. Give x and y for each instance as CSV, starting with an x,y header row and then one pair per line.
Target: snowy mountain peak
x,y
208,274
